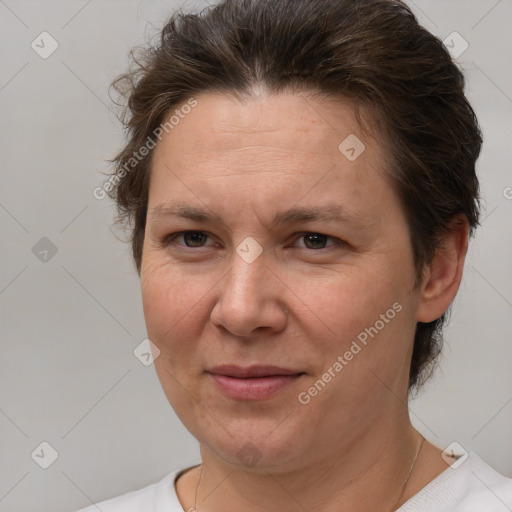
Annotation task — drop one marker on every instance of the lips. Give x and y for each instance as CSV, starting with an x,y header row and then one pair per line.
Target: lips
x,y
254,382
251,371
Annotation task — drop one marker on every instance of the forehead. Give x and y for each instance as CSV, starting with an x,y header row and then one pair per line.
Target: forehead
x,y
266,151
223,122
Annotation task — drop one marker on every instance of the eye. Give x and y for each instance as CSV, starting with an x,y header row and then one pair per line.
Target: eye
x,y
196,239
192,238
316,241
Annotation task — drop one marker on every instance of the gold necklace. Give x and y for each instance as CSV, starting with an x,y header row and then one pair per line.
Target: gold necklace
x,y
197,490
394,506
409,475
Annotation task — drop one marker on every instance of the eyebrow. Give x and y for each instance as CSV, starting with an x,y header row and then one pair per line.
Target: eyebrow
x,y
328,212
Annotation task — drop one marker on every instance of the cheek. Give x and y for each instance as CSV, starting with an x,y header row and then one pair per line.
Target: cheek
x,y
172,300
362,315
172,305
347,302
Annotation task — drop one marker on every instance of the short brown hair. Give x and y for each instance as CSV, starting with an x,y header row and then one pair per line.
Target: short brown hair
x,y
372,52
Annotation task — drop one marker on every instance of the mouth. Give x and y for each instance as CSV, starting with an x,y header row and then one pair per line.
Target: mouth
x,y
254,382
254,371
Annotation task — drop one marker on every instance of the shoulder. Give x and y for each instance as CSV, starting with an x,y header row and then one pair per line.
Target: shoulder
x,y
486,488
469,485
157,497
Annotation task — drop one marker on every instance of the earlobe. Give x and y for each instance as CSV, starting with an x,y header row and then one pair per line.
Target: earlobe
x,y
444,274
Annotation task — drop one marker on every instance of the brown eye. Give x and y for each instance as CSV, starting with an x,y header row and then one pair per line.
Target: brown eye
x,y
196,238
315,240
191,238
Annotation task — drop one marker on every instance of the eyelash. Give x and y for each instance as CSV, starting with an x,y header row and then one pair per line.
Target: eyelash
x,y
168,240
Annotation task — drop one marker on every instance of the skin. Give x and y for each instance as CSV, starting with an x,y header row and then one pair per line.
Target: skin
x,y
298,305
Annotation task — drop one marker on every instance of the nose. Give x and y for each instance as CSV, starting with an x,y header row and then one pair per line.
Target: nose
x,y
250,298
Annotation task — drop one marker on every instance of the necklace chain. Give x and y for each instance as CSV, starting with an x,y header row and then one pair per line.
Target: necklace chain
x,y
197,490
394,506
409,474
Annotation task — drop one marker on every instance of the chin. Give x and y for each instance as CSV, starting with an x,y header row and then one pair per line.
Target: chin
x,y
258,448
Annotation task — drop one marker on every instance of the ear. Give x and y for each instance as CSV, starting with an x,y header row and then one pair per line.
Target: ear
x,y
443,276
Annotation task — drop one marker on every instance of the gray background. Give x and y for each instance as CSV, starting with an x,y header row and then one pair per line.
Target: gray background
x,y
70,324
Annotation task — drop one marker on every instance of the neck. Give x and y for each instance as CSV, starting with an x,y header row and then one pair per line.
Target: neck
x,y
367,476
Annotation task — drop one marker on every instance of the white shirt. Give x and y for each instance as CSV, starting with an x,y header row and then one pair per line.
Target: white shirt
x,y
472,486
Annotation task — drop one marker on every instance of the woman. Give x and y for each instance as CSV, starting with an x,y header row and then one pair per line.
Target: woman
x,y
300,182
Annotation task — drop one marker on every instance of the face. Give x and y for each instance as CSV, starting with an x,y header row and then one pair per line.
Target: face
x,y
268,243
